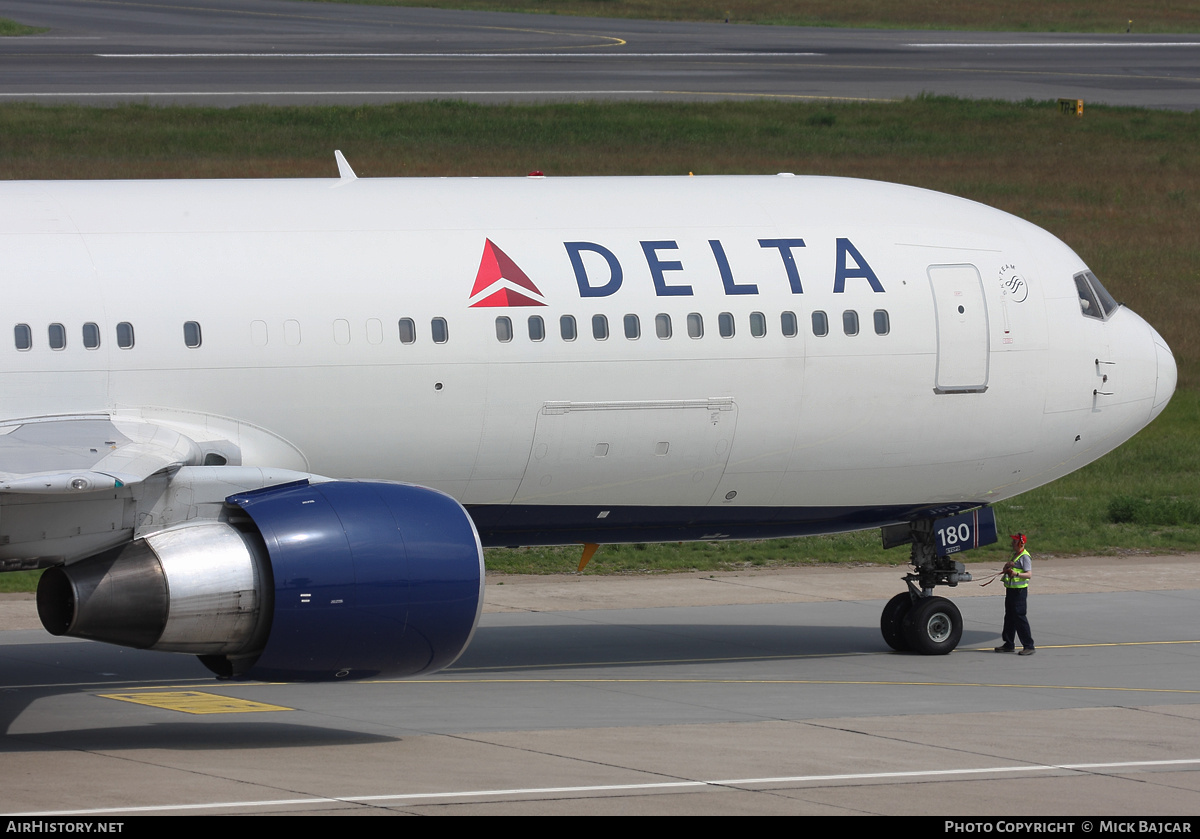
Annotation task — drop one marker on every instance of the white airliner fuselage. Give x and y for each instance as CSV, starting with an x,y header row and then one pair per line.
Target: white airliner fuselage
x,y
572,360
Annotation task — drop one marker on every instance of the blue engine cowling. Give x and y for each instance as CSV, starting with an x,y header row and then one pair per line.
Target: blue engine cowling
x,y
301,582
370,579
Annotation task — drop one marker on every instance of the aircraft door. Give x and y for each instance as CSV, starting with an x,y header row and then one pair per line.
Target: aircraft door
x,y
962,329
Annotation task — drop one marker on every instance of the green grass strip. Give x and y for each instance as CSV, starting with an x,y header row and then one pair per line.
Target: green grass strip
x,y
1136,16
10,28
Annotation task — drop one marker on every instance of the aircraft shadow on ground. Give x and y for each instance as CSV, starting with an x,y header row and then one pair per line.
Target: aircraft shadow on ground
x,y
36,672
632,645
187,735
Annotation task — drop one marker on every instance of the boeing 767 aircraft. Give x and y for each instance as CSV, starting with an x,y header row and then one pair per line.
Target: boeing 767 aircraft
x,y
272,423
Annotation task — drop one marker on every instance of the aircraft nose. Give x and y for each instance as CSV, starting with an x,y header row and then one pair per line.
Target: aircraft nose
x,y
1168,374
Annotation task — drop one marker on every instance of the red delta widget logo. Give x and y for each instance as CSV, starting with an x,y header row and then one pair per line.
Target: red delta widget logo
x,y
500,282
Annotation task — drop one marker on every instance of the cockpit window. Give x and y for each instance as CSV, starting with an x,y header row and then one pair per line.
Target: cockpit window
x,y
1094,299
1106,300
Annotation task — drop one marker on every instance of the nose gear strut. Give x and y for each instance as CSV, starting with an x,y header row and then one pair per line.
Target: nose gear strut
x,y
917,620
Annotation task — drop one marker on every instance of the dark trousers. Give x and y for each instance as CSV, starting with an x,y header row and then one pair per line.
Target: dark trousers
x,y
1016,601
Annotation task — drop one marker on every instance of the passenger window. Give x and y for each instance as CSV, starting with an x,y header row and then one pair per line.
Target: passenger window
x,y
820,324
191,334
23,336
125,335
408,331
566,327
374,331
91,336
537,328
341,331
725,324
504,330
758,324
883,324
440,330
850,322
695,325
787,324
600,327
58,336
662,326
633,327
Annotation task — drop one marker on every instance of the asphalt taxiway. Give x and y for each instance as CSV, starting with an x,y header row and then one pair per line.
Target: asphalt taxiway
x,y
754,692
230,52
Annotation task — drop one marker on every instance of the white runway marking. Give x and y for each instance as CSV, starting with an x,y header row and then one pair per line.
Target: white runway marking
x,y
983,44
415,798
452,54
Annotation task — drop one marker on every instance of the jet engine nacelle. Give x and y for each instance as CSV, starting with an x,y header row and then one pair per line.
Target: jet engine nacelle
x,y
302,582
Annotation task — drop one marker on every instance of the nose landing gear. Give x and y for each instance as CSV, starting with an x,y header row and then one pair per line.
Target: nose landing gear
x,y
926,625
891,623
933,626
916,620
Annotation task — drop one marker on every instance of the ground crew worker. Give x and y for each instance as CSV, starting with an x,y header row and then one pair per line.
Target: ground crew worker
x,y
1016,576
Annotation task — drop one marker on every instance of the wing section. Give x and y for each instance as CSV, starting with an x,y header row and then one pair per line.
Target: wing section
x,y
76,454
75,486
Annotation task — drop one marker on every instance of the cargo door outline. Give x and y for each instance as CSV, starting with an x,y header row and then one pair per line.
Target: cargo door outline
x,y
629,453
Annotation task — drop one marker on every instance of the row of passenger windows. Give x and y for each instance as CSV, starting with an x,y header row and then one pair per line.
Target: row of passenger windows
x,y
56,335
664,329
440,331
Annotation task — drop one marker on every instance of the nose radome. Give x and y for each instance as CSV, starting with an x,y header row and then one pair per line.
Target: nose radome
x,y
1168,374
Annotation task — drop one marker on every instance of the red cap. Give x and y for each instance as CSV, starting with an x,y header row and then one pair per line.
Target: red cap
x,y
1019,538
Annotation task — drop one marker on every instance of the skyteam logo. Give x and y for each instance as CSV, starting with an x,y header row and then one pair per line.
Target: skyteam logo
x,y
501,283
